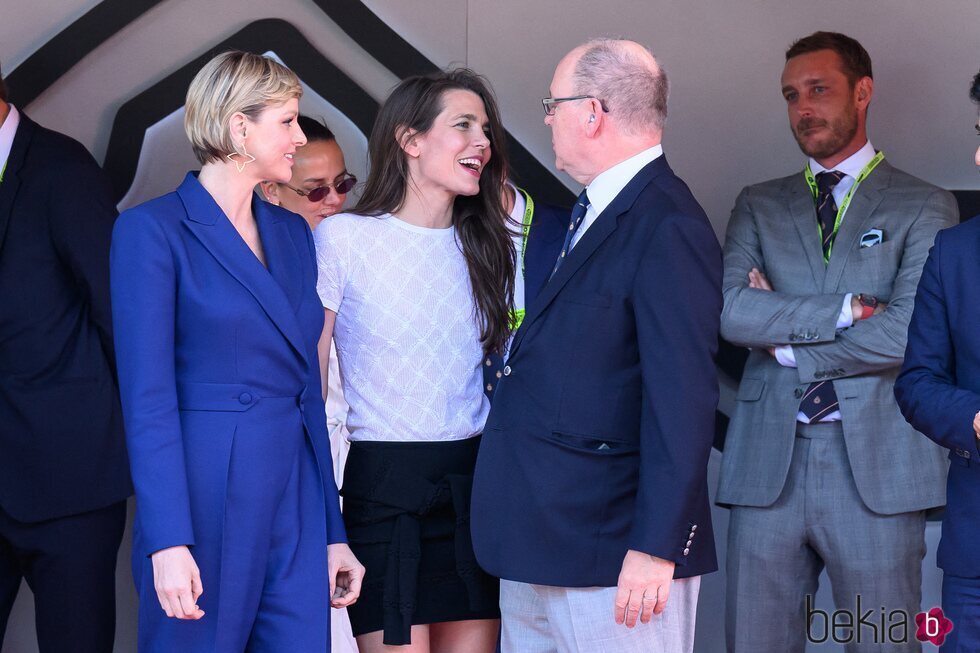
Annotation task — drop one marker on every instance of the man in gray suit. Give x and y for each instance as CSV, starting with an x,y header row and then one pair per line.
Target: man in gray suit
x,y
820,469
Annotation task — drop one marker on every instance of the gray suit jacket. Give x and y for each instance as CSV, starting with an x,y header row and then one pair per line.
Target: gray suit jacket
x,y
774,228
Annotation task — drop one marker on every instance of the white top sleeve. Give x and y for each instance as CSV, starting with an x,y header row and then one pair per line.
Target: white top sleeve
x,y
332,262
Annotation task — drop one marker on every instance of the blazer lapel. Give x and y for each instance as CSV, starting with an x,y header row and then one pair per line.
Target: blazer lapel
x,y
281,256
213,229
864,201
804,213
11,175
598,232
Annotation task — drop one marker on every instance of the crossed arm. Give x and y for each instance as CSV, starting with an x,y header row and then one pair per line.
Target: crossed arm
x,y
758,315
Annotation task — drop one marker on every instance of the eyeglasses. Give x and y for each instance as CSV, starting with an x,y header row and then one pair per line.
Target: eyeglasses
x,y
342,187
549,103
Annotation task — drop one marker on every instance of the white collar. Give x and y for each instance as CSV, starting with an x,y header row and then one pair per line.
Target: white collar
x,y
852,165
7,131
609,183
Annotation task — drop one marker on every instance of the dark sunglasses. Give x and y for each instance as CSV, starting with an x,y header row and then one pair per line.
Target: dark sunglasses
x,y
342,187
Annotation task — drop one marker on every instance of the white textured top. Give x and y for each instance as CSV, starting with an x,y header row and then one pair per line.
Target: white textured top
x,y
406,330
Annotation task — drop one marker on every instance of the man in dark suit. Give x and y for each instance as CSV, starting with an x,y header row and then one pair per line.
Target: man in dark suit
x,y
538,230
820,469
64,475
938,391
589,496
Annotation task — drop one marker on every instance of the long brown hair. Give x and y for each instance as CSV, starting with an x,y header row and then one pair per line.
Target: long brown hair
x,y
480,220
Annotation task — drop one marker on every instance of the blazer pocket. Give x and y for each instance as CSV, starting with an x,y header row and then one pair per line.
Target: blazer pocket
x,y
883,249
588,444
750,389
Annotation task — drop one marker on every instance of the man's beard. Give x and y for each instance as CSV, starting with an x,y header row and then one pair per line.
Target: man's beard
x,y
842,131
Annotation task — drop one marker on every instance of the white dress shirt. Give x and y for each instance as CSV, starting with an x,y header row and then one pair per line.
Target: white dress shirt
x,y
610,183
851,167
7,131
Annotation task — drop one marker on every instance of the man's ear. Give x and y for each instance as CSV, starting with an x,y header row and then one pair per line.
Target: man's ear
x,y
863,90
270,191
594,119
408,140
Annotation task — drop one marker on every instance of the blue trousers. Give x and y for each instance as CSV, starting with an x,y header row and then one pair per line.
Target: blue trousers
x,y
961,605
260,545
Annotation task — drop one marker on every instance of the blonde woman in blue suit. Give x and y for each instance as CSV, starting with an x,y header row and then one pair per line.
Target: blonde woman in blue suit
x,y
238,534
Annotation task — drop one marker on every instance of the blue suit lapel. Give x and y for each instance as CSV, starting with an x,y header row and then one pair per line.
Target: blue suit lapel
x,y
11,176
604,225
213,229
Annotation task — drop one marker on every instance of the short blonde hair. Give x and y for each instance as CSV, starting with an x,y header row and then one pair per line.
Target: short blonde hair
x,y
232,82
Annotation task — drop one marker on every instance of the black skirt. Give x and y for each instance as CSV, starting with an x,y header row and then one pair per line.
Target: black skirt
x,y
406,509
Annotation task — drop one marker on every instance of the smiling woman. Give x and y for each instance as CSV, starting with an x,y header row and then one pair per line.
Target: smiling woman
x,y
417,283
216,324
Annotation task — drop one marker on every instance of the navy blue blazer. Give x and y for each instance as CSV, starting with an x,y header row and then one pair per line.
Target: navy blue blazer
x,y
600,431
213,349
544,240
62,450
938,389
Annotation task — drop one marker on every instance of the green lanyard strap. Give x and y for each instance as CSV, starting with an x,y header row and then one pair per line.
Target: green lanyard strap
x,y
517,315
812,183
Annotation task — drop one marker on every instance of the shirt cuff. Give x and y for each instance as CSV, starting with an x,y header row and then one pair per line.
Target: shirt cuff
x,y
846,317
785,356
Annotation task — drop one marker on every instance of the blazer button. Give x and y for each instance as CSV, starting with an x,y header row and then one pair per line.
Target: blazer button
x,y
686,551
690,535
245,398
798,393
694,527
688,543
507,370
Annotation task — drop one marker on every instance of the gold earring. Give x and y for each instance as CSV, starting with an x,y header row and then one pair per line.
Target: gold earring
x,y
248,158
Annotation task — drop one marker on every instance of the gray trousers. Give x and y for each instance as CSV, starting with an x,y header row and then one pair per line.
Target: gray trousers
x,y
545,619
775,556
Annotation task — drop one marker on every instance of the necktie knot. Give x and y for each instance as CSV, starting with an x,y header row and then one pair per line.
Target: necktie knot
x,y
827,181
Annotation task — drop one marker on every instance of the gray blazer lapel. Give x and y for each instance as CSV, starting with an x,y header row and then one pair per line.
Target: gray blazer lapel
x,y
856,221
804,213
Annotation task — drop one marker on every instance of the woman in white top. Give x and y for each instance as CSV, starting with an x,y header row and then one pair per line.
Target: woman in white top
x,y
417,283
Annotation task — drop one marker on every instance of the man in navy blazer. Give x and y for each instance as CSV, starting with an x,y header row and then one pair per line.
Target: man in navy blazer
x,y
64,475
938,391
590,498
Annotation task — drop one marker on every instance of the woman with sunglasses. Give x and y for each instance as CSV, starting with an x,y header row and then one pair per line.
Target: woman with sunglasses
x,y
320,181
417,282
238,539
318,189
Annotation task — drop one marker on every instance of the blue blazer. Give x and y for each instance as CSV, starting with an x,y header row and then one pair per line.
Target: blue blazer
x,y
544,240
600,431
213,348
938,389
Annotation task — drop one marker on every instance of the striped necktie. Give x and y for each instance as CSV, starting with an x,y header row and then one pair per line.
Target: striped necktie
x,y
820,398
578,213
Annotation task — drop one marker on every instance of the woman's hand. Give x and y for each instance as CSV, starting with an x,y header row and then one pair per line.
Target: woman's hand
x,y
976,425
346,575
177,581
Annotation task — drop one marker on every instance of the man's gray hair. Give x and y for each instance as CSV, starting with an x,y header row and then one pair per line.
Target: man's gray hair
x,y
631,87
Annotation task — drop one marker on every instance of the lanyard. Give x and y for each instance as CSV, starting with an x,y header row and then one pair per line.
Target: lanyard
x,y
517,315
812,183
